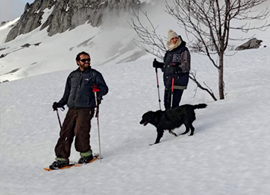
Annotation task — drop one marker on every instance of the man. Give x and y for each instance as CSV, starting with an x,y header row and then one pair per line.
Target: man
x,y
80,99
176,69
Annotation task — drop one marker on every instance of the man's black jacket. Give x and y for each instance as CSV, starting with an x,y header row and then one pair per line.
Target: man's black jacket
x,y
78,91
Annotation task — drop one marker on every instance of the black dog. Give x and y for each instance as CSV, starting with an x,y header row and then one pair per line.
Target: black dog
x,y
171,119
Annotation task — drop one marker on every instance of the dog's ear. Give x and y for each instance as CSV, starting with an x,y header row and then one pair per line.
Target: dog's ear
x,y
145,114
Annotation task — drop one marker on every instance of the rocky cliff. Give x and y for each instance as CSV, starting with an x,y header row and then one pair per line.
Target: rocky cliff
x,y
66,14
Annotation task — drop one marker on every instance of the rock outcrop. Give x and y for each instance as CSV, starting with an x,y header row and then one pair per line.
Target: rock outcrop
x,y
66,14
251,44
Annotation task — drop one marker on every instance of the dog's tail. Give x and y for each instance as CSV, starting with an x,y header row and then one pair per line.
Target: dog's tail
x,y
199,106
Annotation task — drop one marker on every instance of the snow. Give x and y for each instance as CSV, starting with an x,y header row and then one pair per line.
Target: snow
x,y
4,29
228,153
145,1
47,13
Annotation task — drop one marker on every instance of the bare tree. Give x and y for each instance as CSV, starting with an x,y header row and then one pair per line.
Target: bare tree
x,y
153,43
210,23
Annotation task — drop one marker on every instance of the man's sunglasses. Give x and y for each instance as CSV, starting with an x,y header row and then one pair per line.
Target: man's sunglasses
x,y
84,60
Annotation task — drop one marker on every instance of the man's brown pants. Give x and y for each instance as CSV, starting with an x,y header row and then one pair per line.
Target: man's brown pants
x,y
77,123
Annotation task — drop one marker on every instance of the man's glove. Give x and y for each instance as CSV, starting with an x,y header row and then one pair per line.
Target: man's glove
x,y
57,105
157,64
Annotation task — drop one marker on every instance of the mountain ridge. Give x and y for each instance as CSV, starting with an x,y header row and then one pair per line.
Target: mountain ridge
x,y
66,14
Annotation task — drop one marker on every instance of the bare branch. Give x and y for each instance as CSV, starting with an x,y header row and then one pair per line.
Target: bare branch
x,y
192,76
209,24
149,40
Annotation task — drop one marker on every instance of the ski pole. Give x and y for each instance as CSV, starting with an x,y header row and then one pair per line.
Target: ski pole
x,y
158,87
58,118
97,115
172,92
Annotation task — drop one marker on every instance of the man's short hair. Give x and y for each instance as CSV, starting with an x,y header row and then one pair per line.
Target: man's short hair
x,y
81,53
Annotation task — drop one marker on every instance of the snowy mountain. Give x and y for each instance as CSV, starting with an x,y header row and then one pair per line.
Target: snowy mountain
x,y
226,155
109,43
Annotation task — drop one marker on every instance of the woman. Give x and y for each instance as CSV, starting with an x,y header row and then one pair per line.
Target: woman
x,y
176,67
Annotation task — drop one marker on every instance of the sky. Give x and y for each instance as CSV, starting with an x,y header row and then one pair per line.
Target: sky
x,y
11,9
228,153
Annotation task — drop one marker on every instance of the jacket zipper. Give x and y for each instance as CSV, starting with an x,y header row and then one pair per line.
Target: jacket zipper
x,y
78,86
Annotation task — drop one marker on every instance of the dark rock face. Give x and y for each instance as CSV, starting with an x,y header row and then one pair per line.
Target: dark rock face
x,y
3,23
66,14
251,44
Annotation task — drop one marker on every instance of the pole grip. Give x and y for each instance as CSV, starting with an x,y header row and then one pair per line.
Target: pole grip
x,y
172,84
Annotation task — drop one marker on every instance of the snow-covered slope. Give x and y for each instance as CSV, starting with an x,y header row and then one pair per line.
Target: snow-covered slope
x,y
47,54
228,153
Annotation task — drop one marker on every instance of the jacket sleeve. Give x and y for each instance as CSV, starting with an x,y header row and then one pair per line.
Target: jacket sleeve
x,y
164,61
101,84
185,61
64,99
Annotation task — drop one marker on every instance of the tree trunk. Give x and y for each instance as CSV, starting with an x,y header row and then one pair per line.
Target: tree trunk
x,y
220,77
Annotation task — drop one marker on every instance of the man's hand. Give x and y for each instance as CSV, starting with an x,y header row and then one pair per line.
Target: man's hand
x,y
57,105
